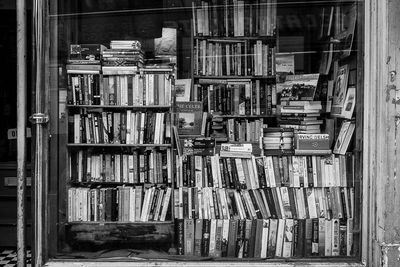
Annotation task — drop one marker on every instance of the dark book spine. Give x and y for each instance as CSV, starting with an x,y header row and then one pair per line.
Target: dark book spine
x,y
295,245
343,238
270,202
235,177
235,212
223,173
209,172
114,201
216,204
229,172
252,238
310,171
185,172
206,238
277,170
232,238
185,203
192,172
261,172
293,206
240,237
314,239
276,202
285,168
180,236
302,238
255,204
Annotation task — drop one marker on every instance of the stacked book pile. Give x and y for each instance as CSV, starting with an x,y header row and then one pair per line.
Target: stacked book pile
x,y
124,53
84,69
277,141
302,116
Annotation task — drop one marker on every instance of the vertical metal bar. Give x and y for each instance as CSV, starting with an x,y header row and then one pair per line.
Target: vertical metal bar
x,y
21,126
41,134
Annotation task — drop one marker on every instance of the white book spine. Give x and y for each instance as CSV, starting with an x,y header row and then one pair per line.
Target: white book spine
x,y
279,237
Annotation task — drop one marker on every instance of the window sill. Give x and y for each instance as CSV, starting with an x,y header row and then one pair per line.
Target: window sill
x,y
143,263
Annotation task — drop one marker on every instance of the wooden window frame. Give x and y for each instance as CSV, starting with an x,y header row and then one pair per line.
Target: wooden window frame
x,y
376,115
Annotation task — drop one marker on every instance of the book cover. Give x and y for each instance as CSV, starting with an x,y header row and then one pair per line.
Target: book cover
x,y
183,89
311,141
189,117
298,87
340,90
349,103
344,137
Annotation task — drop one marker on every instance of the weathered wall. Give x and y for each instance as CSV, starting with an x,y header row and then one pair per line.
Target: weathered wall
x,y
391,179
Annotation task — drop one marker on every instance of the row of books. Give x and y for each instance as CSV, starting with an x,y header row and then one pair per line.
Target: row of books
x,y
123,204
276,202
121,90
152,166
265,171
119,127
244,130
240,58
240,97
234,17
264,238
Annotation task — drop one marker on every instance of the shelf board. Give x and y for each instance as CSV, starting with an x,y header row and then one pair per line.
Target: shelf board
x,y
235,38
243,116
118,223
119,145
227,77
120,107
89,184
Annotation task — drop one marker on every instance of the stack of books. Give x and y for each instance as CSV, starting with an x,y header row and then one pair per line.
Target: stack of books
x,y
277,141
301,116
124,53
84,69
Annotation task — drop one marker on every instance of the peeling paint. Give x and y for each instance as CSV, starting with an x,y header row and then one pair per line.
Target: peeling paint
x,y
388,89
384,251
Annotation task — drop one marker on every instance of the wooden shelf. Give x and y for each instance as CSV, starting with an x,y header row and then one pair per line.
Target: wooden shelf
x,y
118,223
226,77
119,145
112,184
235,39
120,107
243,116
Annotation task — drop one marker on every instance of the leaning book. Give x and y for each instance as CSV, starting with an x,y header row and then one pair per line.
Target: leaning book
x,y
189,117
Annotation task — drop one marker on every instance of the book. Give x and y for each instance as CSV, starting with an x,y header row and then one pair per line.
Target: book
x,y
349,103
311,141
340,90
298,87
343,140
189,117
183,90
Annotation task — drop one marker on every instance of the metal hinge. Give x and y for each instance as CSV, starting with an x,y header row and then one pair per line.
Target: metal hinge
x,y
39,118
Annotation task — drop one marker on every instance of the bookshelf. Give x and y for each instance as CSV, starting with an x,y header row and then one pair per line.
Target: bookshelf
x,y
266,189
119,150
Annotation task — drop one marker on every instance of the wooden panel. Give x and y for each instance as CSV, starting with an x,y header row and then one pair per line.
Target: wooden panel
x,y
105,263
117,234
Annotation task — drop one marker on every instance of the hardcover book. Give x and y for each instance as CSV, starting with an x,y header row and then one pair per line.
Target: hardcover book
x,y
190,117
